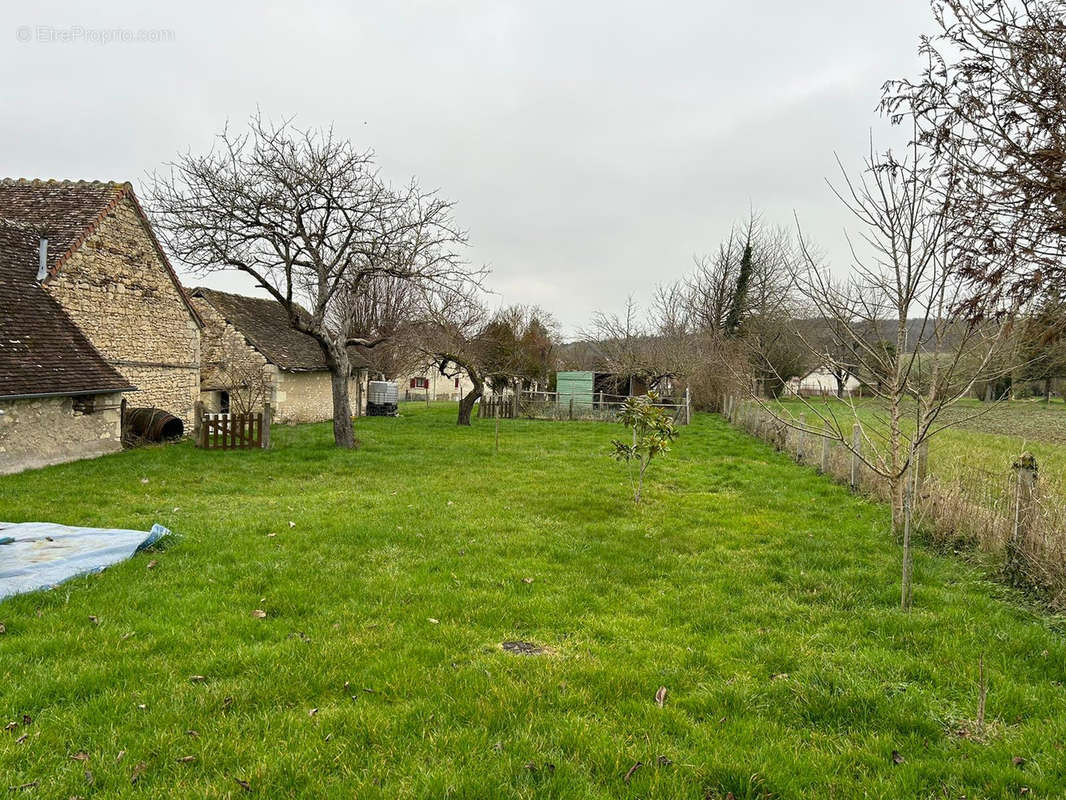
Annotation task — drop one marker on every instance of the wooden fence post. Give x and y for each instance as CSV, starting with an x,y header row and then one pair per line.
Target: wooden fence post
x,y
197,419
1024,507
515,415
571,406
856,459
905,583
827,444
688,407
801,438
268,415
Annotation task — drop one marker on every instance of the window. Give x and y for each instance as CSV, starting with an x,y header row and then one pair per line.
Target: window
x,y
456,383
419,383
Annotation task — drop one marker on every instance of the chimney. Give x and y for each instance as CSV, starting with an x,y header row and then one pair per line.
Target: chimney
x,y
42,267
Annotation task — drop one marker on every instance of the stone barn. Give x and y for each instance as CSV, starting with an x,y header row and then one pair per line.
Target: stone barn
x,y
102,264
246,334
59,398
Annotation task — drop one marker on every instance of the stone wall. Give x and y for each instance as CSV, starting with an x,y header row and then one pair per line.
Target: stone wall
x,y
117,289
308,396
48,430
226,357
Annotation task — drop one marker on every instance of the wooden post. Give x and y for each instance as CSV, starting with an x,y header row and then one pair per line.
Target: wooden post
x,y
358,397
571,406
688,407
197,419
827,443
515,403
268,416
801,438
856,461
1024,508
905,583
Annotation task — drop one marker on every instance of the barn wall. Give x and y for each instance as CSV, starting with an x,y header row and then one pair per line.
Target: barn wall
x,y
118,291
42,431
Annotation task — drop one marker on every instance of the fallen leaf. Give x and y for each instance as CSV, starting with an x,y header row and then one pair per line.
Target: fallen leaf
x,y
27,719
527,580
897,757
227,702
81,755
126,636
1018,761
3,629
660,696
779,676
11,726
94,620
191,733
22,738
244,784
663,761
152,564
121,754
312,712
531,767
142,706
259,613
292,524
434,621
271,535
197,678
144,480
186,759
632,769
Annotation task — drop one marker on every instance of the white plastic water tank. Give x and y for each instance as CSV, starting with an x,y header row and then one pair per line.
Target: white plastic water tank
x,y
382,393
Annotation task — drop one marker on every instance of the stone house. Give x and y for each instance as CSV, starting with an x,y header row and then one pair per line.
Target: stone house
x,y
429,380
106,269
251,336
59,399
91,313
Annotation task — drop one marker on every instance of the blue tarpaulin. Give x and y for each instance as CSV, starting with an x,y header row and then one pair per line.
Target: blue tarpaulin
x,y
39,555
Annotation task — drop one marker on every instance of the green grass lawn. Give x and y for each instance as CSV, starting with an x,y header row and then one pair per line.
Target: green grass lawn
x,y
761,595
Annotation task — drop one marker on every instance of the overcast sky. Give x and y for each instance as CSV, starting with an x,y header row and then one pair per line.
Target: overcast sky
x,y
592,148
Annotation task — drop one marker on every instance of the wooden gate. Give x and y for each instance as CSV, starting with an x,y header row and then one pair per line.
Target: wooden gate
x,y
231,431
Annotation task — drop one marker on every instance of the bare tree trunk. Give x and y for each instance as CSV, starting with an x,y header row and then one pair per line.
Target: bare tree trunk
x,y
339,369
466,404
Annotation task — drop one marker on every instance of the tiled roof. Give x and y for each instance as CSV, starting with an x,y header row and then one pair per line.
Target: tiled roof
x,y
264,323
67,212
42,351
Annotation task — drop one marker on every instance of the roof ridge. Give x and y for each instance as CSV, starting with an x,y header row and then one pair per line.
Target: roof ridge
x,y
64,182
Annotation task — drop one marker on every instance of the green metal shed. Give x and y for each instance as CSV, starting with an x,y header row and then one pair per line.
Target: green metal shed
x,y
577,385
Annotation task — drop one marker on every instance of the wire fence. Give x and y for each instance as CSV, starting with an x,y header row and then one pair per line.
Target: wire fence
x,y
586,406
1007,513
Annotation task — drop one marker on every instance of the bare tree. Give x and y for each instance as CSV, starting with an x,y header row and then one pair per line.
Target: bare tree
x,y
380,311
243,376
904,288
993,96
450,333
308,218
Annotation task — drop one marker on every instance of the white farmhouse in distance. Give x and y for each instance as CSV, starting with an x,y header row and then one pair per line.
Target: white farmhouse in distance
x,y
820,382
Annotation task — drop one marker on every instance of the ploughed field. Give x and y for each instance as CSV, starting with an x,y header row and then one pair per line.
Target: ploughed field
x,y
332,624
